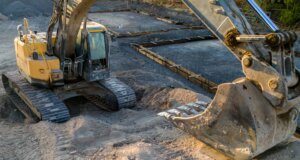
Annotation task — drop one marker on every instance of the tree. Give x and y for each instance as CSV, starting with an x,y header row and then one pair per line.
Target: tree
x,y
287,11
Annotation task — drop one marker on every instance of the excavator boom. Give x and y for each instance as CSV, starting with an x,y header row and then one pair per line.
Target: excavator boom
x,y
68,15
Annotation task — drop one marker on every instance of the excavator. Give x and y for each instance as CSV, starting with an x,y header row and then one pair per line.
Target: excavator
x,y
245,118
254,113
56,66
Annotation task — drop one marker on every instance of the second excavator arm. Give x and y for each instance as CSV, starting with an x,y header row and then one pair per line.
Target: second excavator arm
x,y
254,113
271,56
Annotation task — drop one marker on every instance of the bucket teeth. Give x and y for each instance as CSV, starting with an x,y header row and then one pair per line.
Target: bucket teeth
x,y
234,122
186,111
175,112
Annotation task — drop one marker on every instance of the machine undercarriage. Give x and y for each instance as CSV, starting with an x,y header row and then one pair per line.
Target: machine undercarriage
x,y
48,104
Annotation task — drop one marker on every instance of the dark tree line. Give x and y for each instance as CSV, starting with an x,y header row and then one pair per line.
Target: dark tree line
x,y
284,11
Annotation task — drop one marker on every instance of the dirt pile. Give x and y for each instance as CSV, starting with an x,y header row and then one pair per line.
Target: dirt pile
x,y
126,134
162,99
25,8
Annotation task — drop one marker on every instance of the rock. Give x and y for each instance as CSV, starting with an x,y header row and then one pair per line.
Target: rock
x,y
163,99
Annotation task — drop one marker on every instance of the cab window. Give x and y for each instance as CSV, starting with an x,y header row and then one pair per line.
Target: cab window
x,y
97,45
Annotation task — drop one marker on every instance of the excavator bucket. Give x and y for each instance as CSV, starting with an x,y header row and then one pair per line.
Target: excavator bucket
x,y
238,121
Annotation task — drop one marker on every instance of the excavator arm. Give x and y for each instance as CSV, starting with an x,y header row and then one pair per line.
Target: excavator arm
x,y
68,16
228,23
254,113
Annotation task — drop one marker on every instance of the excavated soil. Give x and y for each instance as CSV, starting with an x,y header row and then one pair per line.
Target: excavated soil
x,y
136,133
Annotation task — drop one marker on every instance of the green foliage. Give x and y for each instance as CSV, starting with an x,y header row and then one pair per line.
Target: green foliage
x,y
286,11
291,15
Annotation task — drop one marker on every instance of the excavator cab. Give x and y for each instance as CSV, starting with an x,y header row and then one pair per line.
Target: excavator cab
x,y
92,51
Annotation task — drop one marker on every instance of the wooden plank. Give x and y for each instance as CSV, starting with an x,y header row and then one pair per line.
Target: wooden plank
x,y
191,76
177,41
109,11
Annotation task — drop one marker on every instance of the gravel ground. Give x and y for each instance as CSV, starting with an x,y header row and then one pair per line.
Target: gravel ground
x,y
17,9
208,58
124,22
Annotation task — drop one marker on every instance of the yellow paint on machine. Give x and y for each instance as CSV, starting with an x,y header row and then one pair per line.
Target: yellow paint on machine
x,y
45,69
39,69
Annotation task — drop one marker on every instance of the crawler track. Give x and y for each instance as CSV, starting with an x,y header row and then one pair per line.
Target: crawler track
x,y
42,102
125,95
121,95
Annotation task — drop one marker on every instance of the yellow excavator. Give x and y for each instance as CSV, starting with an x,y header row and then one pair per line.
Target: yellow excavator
x,y
246,117
56,66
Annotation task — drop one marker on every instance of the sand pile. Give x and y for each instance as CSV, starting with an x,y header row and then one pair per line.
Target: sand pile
x,y
25,8
127,134
165,98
